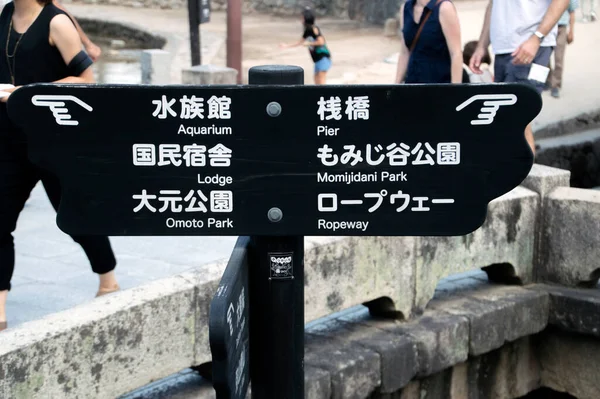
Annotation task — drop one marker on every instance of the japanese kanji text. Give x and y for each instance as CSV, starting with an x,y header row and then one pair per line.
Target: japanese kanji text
x,y
192,155
394,154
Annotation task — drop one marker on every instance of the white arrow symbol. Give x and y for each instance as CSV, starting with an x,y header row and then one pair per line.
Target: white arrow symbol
x,y
57,105
491,105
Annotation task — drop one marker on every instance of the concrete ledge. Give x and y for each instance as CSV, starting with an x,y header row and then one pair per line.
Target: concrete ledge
x,y
498,315
112,345
577,152
585,121
317,383
509,372
530,356
574,310
156,67
543,179
442,351
136,37
209,75
184,385
571,238
448,352
344,272
354,370
398,353
506,237
570,363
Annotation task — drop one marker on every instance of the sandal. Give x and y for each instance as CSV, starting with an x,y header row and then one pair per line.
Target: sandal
x,y
106,291
3,325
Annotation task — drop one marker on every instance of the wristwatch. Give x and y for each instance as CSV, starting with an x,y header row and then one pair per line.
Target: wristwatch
x,y
539,35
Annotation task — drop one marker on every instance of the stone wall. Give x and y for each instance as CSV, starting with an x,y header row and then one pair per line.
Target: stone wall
x,y
579,153
371,11
135,38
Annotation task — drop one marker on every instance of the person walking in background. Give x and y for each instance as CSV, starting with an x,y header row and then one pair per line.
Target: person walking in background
x,y
92,49
521,33
430,50
469,76
565,35
588,9
317,46
38,44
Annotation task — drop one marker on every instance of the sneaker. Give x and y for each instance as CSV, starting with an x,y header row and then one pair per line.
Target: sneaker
x,y
593,16
555,92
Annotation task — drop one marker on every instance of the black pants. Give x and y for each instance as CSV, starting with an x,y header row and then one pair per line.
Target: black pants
x,y
18,176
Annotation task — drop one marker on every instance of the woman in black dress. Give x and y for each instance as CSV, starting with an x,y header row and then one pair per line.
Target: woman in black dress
x,y
430,50
38,44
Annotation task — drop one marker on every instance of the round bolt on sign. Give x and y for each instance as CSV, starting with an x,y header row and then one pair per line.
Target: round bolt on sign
x,y
274,109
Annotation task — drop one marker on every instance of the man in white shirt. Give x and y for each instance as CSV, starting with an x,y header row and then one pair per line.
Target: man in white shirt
x,y
522,33
566,35
589,13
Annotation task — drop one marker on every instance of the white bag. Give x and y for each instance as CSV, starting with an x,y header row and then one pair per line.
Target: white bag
x,y
485,77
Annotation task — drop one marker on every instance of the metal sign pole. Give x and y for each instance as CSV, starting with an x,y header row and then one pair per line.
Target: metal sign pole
x,y
277,287
194,21
234,36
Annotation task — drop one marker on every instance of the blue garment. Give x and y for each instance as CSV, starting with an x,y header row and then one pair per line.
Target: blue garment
x,y
323,65
507,72
430,60
564,19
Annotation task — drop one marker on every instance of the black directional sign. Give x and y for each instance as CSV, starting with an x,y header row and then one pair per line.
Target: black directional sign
x,y
320,160
229,327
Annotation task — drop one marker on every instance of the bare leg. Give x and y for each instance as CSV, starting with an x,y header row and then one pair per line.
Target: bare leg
x,y
108,283
529,138
320,78
3,296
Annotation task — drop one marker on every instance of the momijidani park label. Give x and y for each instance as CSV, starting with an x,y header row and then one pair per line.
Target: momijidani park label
x,y
352,160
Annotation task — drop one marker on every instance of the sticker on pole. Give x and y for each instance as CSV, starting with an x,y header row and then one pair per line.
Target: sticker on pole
x,y
332,160
282,265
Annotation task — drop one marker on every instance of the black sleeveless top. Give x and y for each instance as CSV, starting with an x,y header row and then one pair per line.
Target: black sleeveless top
x,y
35,60
316,52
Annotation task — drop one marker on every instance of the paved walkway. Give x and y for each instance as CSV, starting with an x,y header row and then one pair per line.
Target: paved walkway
x,y
359,53
52,273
